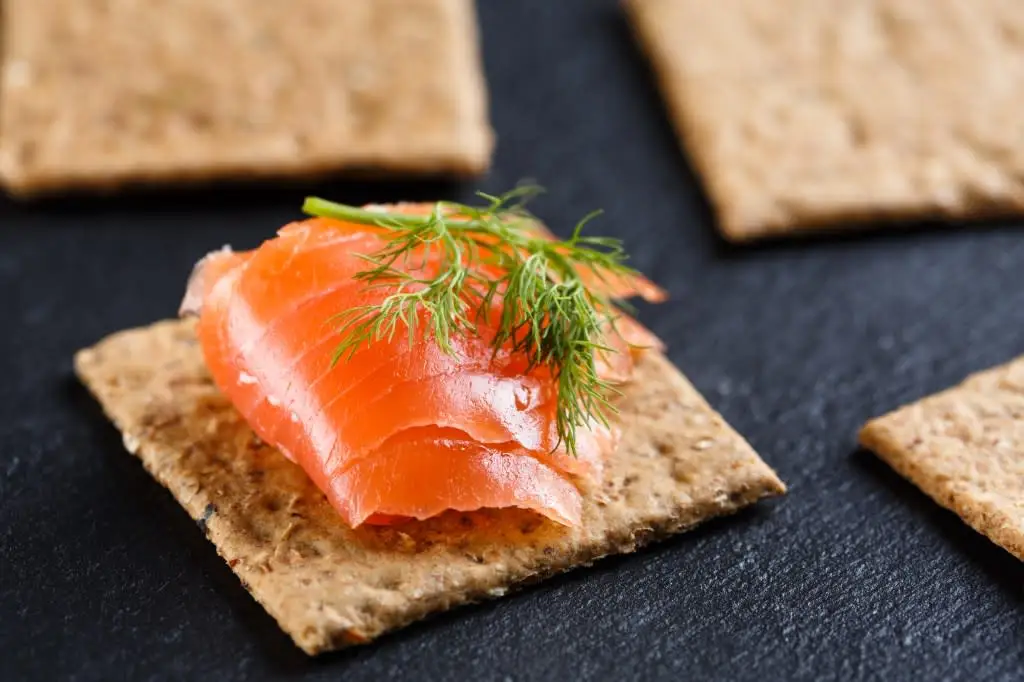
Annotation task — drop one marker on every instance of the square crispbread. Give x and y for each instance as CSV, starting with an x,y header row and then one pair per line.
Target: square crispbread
x,y
329,586
801,115
106,92
964,448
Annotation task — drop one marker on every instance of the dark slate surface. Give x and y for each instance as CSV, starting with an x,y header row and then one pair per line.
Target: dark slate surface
x,y
854,575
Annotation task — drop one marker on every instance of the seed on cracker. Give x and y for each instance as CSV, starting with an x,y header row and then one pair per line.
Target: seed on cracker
x,y
107,92
964,448
802,115
328,585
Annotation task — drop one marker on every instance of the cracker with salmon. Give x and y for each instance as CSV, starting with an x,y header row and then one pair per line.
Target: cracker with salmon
x,y
385,411
93,96
808,115
330,586
964,447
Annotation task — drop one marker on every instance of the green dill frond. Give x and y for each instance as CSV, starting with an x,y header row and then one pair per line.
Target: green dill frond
x,y
548,312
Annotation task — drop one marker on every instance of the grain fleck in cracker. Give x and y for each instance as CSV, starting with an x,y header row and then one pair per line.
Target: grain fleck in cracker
x,y
92,95
964,448
329,586
803,114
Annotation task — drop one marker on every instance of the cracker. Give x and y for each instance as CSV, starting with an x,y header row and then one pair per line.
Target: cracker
x,y
964,448
93,95
801,115
329,586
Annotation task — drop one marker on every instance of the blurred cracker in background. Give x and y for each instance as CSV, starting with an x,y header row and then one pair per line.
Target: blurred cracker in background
x,y
807,114
98,93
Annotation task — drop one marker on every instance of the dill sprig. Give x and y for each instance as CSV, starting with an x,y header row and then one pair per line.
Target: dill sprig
x,y
482,255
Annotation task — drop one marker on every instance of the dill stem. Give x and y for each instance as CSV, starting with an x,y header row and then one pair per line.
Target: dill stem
x,y
329,209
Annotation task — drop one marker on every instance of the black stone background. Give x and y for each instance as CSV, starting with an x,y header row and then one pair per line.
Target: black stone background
x,y
854,575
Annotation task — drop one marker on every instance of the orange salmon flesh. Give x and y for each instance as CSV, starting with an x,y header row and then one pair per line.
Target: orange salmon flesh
x,y
401,430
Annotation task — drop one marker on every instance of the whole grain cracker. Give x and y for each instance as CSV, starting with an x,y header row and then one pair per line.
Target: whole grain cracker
x,y
106,92
329,586
964,448
804,114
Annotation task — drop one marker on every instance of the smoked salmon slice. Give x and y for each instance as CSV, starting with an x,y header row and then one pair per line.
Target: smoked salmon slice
x,y
402,429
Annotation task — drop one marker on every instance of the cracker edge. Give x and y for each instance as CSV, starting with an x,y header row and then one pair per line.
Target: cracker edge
x,y
991,522
625,541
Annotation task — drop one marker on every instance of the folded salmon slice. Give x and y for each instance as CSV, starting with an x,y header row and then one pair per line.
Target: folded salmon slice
x,y
401,429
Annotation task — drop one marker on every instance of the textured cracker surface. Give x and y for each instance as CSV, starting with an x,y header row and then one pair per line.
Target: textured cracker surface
x,y
801,114
329,586
964,447
102,92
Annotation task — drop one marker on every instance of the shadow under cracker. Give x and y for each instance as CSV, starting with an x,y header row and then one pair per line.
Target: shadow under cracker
x,y
646,91
231,195
1003,568
79,400
861,230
